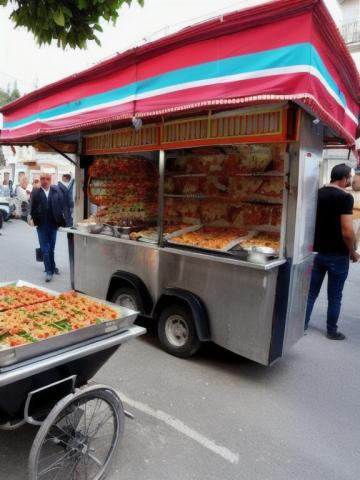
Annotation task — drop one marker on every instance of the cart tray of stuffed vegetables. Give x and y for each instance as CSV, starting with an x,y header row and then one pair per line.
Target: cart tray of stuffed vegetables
x,y
36,321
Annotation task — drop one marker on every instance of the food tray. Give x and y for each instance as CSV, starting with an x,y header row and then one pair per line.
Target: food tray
x,y
264,250
154,238
190,228
10,355
226,248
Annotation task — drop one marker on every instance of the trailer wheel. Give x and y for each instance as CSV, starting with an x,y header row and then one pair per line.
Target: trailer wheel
x,y
176,331
128,297
79,436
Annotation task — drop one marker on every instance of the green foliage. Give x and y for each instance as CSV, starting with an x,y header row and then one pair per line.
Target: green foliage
x,y
7,96
71,22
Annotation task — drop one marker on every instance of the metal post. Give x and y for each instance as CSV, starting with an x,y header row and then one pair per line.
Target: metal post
x,y
78,213
161,196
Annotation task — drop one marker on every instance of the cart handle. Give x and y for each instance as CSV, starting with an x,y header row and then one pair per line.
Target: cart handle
x,y
28,418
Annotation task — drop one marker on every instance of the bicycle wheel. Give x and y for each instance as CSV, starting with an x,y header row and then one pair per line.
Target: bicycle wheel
x,y
78,438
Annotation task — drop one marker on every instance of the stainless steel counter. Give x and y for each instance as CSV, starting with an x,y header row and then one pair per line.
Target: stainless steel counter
x,y
184,252
238,296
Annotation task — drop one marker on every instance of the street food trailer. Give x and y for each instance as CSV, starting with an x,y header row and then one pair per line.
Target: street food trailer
x,y
197,172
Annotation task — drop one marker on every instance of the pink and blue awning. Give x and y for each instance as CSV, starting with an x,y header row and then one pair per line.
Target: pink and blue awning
x,y
290,50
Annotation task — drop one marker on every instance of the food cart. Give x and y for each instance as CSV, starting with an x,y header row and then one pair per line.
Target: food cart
x,y
44,381
197,172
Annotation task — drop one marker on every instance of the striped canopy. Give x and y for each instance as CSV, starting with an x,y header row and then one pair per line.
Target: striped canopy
x,y
283,50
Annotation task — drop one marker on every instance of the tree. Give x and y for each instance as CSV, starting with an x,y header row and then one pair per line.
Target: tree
x,y
7,96
70,22
14,93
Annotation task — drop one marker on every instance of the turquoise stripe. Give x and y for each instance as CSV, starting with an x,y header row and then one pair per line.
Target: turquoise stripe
x,y
298,54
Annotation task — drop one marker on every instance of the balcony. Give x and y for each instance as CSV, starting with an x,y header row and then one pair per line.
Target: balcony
x,y
351,33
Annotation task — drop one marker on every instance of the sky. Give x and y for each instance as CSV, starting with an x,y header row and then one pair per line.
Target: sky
x,y
22,61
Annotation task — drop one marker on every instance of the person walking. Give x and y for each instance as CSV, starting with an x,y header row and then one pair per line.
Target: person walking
x,y
22,194
66,187
47,213
335,244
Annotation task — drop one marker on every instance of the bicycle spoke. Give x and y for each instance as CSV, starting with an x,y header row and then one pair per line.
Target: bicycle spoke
x,y
101,424
97,404
94,459
78,445
54,465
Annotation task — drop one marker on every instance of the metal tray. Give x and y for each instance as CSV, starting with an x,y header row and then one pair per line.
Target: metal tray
x,y
181,231
225,249
167,236
263,250
11,355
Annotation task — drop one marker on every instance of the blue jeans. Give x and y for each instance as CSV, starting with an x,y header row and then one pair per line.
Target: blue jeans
x,y
337,268
47,240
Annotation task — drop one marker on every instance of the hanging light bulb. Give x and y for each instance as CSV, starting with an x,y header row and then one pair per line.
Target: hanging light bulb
x,y
137,123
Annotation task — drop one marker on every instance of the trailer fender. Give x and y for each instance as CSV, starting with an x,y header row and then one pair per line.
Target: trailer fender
x,y
196,305
127,279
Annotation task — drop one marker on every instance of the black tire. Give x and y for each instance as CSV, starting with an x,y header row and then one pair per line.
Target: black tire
x,y
66,445
177,332
1,219
128,297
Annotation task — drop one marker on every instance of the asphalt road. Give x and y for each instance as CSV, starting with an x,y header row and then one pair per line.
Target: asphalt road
x,y
219,415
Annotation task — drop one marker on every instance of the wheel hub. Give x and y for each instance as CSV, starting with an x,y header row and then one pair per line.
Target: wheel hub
x,y
177,330
127,301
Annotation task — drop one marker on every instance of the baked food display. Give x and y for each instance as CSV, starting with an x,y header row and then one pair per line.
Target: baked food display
x,y
262,239
14,297
152,232
217,186
241,188
272,187
229,190
199,160
182,210
185,185
211,237
125,189
32,323
248,158
146,233
212,211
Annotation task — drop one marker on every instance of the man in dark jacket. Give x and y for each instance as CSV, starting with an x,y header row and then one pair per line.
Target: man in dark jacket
x,y
66,187
47,213
335,245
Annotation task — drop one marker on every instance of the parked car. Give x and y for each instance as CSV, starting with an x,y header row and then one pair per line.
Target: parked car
x,y
6,205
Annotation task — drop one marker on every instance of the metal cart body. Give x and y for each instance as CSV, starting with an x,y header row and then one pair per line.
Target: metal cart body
x,y
80,424
80,361
254,310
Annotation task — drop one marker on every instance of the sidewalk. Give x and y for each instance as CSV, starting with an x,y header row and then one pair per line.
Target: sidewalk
x,y
17,256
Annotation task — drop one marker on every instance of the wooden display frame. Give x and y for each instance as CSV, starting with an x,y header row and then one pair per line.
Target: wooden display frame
x,y
266,126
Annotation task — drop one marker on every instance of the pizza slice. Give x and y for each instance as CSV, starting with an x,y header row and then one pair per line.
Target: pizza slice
x,y
242,187
212,210
272,187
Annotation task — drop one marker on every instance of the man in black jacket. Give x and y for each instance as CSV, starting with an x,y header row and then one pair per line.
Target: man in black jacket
x,y
47,213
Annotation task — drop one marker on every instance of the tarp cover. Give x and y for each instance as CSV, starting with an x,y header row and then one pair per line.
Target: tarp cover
x,y
282,50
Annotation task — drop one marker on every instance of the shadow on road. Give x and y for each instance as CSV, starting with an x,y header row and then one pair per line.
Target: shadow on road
x,y
223,361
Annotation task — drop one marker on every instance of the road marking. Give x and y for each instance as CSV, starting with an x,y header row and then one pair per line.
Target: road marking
x,y
182,428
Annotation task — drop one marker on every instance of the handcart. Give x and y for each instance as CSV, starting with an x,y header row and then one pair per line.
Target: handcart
x,y
80,423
